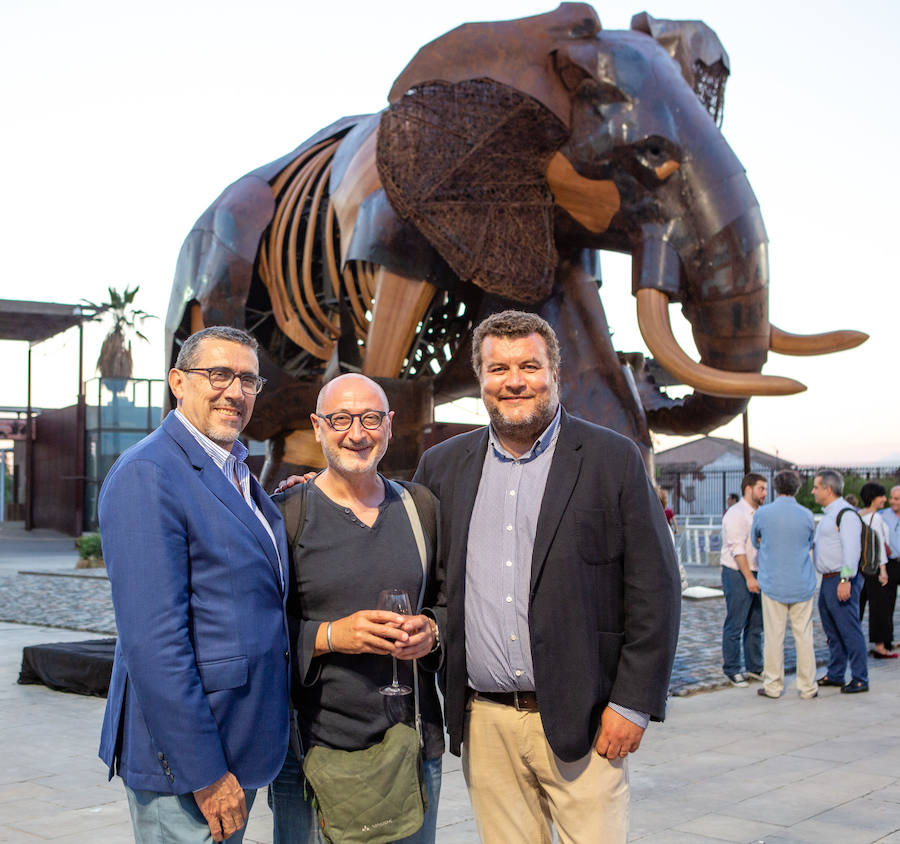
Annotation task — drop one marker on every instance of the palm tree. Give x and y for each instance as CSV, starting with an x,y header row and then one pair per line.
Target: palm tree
x,y
115,354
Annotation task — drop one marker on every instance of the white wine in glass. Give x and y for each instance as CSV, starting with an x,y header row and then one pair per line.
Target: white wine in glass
x,y
394,600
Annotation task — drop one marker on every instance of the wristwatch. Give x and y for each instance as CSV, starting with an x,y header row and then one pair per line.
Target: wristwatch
x,y
845,580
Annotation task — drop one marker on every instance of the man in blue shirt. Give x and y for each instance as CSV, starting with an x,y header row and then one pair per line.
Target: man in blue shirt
x,y
783,533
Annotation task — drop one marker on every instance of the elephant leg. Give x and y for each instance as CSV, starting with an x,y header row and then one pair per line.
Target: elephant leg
x,y
400,305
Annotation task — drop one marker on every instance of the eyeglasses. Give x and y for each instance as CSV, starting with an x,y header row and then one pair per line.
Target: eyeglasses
x,y
343,421
221,378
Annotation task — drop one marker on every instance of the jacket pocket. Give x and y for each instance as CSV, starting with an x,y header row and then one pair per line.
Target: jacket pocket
x,y
218,674
598,535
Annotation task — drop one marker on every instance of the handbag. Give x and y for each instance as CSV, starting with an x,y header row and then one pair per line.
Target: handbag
x,y
376,795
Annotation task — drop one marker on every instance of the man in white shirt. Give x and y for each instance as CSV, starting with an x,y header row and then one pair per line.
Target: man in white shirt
x,y
743,610
836,557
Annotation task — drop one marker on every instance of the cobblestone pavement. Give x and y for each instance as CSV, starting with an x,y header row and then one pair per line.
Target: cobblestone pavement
x,y
81,601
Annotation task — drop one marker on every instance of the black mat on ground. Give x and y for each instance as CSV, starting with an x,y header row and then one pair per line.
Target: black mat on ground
x,y
80,667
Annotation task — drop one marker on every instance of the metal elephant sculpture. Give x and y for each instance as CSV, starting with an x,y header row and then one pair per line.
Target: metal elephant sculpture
x,y
509,153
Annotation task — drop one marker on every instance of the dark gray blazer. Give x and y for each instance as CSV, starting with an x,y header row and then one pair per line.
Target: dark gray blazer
x,y
605,600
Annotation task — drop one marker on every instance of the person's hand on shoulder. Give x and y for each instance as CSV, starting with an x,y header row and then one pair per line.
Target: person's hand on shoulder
x,y
293,480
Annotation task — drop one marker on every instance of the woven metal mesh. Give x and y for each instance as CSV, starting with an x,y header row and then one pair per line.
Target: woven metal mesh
x,y
709,86
465,163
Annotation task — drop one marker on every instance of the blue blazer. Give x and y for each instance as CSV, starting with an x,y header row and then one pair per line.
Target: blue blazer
x,y
201,672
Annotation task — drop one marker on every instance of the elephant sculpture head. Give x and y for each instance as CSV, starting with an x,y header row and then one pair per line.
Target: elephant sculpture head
x,y
509,154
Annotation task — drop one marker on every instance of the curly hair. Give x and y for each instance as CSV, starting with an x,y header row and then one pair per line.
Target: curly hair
x,y
514,324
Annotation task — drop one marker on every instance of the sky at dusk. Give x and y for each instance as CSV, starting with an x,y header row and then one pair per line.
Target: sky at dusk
x,y
124,121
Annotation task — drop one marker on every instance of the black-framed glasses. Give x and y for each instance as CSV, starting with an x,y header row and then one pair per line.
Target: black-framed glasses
x,y
342,421
221,378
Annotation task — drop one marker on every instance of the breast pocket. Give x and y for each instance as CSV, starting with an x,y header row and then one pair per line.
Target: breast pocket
x,y
598,535
219,674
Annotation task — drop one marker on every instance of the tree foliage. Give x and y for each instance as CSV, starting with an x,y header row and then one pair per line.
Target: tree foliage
x,y
115,354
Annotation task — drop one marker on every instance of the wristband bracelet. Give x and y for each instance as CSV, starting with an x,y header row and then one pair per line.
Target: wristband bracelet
x,y
437,636
328,636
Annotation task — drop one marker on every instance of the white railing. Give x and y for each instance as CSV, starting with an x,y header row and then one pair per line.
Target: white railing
x,y
699,540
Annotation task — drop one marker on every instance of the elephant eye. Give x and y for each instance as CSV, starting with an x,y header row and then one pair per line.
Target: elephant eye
x,y
656,150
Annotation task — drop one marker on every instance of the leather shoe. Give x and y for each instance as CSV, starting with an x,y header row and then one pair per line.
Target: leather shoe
x,y
762,693
827,681
879,655
854,686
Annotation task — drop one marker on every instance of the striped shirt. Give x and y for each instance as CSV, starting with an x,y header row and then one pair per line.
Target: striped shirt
x,y
233,467
498,567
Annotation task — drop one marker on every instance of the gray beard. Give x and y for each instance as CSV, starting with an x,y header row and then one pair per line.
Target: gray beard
x,y
529,428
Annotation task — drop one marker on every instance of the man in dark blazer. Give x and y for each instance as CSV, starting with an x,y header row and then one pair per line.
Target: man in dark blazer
x,y
197,715
559,599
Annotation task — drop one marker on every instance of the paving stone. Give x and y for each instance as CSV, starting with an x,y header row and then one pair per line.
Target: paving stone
x,y
729,828
725,766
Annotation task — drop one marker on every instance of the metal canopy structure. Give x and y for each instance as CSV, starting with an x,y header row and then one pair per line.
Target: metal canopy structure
x,y
34,322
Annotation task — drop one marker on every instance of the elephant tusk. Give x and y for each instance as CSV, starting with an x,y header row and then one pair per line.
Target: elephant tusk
x,y
665,170
653,320
814,344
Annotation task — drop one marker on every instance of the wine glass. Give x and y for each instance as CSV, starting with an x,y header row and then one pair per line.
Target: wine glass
x,y
394,600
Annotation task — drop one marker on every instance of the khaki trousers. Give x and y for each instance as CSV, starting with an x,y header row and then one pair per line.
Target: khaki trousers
x,y
518,787
775,616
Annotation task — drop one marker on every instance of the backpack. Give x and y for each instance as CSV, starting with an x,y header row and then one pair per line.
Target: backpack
x,y
869,545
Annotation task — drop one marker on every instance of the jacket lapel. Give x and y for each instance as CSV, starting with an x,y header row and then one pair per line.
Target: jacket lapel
x,y
225,490
465,489
564,471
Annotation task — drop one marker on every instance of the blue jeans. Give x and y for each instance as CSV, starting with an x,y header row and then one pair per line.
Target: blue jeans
x,y
294,819
160,818
840,620
743,623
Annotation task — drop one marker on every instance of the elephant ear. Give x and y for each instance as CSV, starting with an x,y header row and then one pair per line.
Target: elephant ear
x,y
465,163
510,52
700,55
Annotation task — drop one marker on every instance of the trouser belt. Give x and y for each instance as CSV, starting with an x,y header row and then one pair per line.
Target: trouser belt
x,y
831,574
523,701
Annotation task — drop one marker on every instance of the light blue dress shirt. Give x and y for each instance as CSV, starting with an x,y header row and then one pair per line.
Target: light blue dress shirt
x,y
892,522
838,550
783,532
498,567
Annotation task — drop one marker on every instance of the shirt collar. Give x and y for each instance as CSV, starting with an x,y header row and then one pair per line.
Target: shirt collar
x,y
220,455
541,444
833,507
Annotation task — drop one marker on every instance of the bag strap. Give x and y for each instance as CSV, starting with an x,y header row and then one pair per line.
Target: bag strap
x,y
292,503
416,524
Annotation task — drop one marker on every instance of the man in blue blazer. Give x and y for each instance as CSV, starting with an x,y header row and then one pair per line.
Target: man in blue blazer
x,y
559,599
197,715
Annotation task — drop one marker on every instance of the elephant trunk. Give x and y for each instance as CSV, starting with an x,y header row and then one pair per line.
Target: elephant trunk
x,y
724,287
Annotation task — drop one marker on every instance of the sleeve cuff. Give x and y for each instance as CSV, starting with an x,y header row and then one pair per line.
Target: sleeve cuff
x,y
641,719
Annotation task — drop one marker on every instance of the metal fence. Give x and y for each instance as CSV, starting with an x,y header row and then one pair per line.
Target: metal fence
x,y
699,538
705,493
